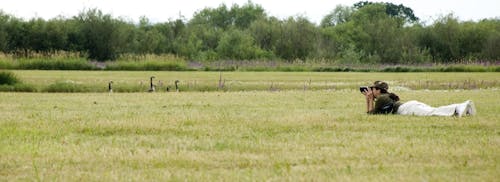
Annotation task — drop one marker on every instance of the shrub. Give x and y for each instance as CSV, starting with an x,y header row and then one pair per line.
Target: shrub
x,y
497,69
56,64
7,64
8,78
20,87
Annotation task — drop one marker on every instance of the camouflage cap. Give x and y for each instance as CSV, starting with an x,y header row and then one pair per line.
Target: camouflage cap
x,y
380,85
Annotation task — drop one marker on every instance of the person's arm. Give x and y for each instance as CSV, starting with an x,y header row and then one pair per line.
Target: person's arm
x,y
371,106
369,100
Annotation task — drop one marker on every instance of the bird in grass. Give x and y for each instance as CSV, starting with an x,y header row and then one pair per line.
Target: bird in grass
x,y
176,86
110,86
151,85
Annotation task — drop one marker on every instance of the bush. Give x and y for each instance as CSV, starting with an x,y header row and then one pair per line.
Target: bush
x,y
497,69
56,64
8,78
7,64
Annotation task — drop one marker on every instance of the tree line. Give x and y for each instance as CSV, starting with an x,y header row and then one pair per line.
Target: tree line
x,y
362,33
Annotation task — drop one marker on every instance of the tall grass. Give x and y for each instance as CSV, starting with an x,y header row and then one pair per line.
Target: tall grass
x,y
148,62
55,64
442,68
325,66
168,62
147,66
6,61
20,87
60,60
7,64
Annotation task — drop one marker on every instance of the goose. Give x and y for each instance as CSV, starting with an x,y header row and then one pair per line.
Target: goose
x,y
151,86
176,86
110,89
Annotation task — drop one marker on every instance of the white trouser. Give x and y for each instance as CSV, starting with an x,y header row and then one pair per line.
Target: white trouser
x,y
420,109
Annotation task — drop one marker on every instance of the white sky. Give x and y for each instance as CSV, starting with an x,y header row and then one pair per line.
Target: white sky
x,y
163,10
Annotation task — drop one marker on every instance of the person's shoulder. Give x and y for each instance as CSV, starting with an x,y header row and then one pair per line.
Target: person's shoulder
x,y
384,96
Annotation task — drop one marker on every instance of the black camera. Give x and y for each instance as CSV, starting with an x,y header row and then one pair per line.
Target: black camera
x,y
363,89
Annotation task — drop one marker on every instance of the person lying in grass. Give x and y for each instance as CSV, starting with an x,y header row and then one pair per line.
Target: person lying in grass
x,y
380,101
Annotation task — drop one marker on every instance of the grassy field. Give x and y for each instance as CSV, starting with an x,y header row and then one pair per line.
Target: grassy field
x,y
138,81
288,135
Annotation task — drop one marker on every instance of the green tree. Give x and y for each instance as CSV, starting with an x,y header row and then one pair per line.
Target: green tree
x,y
170,31
393,10
36,34
213,18
18,37
236,44
377,34
148,39
266,33
491,45
340,14
471,40
101,35
245,15
4,36
188,45
297,39
442,39
75,39
57,34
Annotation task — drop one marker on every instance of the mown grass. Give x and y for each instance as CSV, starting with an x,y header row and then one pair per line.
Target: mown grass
x,y
243,136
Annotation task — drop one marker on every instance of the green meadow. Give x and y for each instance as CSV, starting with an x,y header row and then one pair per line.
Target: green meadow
x,y
139,81
259,126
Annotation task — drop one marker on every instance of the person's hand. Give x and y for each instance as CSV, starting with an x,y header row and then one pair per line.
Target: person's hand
x,y
368,94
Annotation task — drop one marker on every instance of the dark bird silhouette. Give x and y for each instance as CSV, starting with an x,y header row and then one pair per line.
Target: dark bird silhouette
x,y
176,86
151,85
110,88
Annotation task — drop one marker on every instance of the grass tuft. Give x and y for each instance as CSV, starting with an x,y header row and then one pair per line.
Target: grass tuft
x,y
9,82
67,86
8,78
20,87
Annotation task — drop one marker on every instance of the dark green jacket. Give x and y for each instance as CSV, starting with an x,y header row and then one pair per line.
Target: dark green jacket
x,y
385,105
